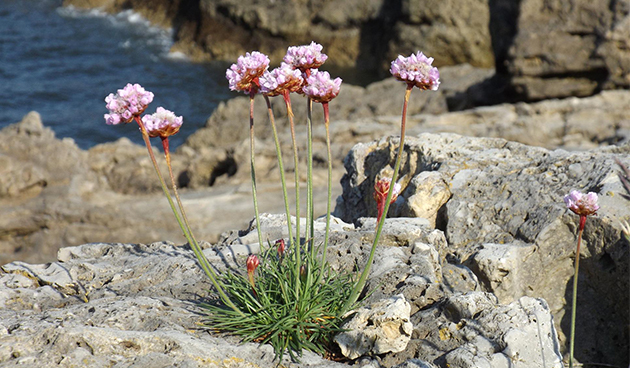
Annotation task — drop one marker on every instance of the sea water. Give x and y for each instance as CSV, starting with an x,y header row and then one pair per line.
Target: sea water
x,y
62,62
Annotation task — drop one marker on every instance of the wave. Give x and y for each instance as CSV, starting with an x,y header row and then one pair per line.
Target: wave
x,y
128,20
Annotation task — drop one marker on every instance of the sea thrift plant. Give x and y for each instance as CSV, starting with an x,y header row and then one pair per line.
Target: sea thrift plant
x,y
287,295
583,205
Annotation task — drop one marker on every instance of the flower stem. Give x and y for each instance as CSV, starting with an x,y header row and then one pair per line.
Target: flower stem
x,y
329,199
287,101
253,168
298,240
280,166
310,220
203,261
575,284
354,295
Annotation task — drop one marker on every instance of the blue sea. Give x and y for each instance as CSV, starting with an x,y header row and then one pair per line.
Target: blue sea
x,y
62,62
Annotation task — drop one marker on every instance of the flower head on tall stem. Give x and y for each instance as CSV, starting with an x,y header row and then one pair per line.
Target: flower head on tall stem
x,y
320,87
381,190
305,57
162,124
244,75
417,71
281,80
128,102
582,204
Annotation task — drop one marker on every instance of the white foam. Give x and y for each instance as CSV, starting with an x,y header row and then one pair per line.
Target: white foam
x,y
157,36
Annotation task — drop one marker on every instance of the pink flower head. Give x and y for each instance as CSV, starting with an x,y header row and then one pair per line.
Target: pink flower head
x,y
128,102
320,88
305,57
416,70
281,247
381,190
163,123
280,80
582,204
243,76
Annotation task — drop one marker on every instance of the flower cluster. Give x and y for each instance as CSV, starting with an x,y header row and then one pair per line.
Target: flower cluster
x,y
280,80
130,101
298,73
320,87
305,57
582,204
244,75
417,71
163,123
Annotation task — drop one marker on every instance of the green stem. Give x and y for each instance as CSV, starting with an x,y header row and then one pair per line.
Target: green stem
x,y
354,295
287,101
310,222
203,261
298,240
253,168
328,205
575,284
280,166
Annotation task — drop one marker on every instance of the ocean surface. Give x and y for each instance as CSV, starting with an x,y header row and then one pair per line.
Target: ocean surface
x,y
62,62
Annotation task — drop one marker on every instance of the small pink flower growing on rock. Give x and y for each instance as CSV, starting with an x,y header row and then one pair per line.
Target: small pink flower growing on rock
x,y
243,76
163,123
582,204
305,57
416,70
128,102
381,190
320,87
280,80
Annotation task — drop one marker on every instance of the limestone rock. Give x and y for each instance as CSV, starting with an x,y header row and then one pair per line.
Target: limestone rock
x,y
537,46
425,195
510,195
380,328
366,34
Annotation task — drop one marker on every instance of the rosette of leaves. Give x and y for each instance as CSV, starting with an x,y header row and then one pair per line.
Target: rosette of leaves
x,y
288,312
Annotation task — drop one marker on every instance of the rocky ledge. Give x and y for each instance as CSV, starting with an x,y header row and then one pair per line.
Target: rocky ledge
x,y
480,274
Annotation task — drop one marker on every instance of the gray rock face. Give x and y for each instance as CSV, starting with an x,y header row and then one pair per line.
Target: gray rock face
x,y
506,219
135,304
367,34
382,327
553,49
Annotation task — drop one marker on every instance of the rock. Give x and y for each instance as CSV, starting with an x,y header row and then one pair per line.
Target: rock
x,y
135,306
366,34
498,266
520,334
380,328
425,195
536,46
506,219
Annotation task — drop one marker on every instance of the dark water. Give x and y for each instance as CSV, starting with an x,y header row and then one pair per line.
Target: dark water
x,y
62,63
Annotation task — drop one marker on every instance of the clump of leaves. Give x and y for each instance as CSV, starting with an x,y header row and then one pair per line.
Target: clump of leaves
x,y
289,311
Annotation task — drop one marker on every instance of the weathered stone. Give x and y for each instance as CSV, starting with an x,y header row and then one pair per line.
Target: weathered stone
x,y
551,49
366,34
425,195
521,334
382,327
508,194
